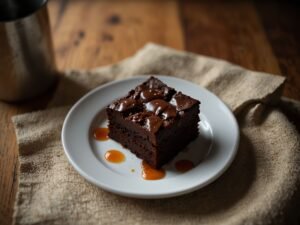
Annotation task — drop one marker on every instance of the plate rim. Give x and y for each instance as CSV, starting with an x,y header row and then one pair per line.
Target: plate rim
x,y
92,180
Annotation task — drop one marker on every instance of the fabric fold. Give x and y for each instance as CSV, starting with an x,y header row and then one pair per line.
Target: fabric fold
x,y
235,85
259,187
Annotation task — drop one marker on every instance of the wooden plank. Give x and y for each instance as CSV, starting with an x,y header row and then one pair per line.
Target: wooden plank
x,y
94,33
9,153
88,34
280,20
230,30
8,162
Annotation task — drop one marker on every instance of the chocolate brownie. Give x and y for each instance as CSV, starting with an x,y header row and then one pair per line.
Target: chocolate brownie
x,y
154,121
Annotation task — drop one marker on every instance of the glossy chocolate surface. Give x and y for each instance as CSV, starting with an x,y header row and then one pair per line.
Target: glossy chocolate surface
x,y
153,105
155,122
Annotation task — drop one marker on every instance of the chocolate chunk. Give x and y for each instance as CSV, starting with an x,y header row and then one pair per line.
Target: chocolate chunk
x,y
153,89
183,102
147,120
161,107
149,94
153,123
124,104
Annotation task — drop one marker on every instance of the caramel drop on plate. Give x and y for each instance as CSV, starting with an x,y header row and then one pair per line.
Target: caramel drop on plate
x,y
149,173
184,165
114,156
101,134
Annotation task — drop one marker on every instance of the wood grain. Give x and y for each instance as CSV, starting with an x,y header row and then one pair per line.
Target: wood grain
x,y
9,154
231,31
92,33
281,24
8,162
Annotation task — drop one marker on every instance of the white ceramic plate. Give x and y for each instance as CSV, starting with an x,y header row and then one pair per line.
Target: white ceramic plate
x,y
212,151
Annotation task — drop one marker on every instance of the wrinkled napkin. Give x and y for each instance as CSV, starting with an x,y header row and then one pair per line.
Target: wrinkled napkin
x,y
260,187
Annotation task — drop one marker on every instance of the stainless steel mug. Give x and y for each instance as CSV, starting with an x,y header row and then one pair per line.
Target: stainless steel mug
x,y
27,66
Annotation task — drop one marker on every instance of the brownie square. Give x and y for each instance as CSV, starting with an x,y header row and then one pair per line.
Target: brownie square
x,y
154,121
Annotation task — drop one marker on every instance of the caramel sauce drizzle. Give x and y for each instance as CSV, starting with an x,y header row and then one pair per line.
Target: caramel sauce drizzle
x,y
101,134
114,156
149,173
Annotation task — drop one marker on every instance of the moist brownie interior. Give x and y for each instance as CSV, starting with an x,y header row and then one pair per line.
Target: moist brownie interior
x,y
154,121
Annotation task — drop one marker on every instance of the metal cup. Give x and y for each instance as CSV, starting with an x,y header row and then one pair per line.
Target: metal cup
x,y
27,66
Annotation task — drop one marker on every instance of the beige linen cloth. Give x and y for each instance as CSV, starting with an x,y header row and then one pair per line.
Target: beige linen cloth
x,y
260,187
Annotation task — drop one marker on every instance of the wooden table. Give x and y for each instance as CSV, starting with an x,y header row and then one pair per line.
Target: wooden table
x,y
90,33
